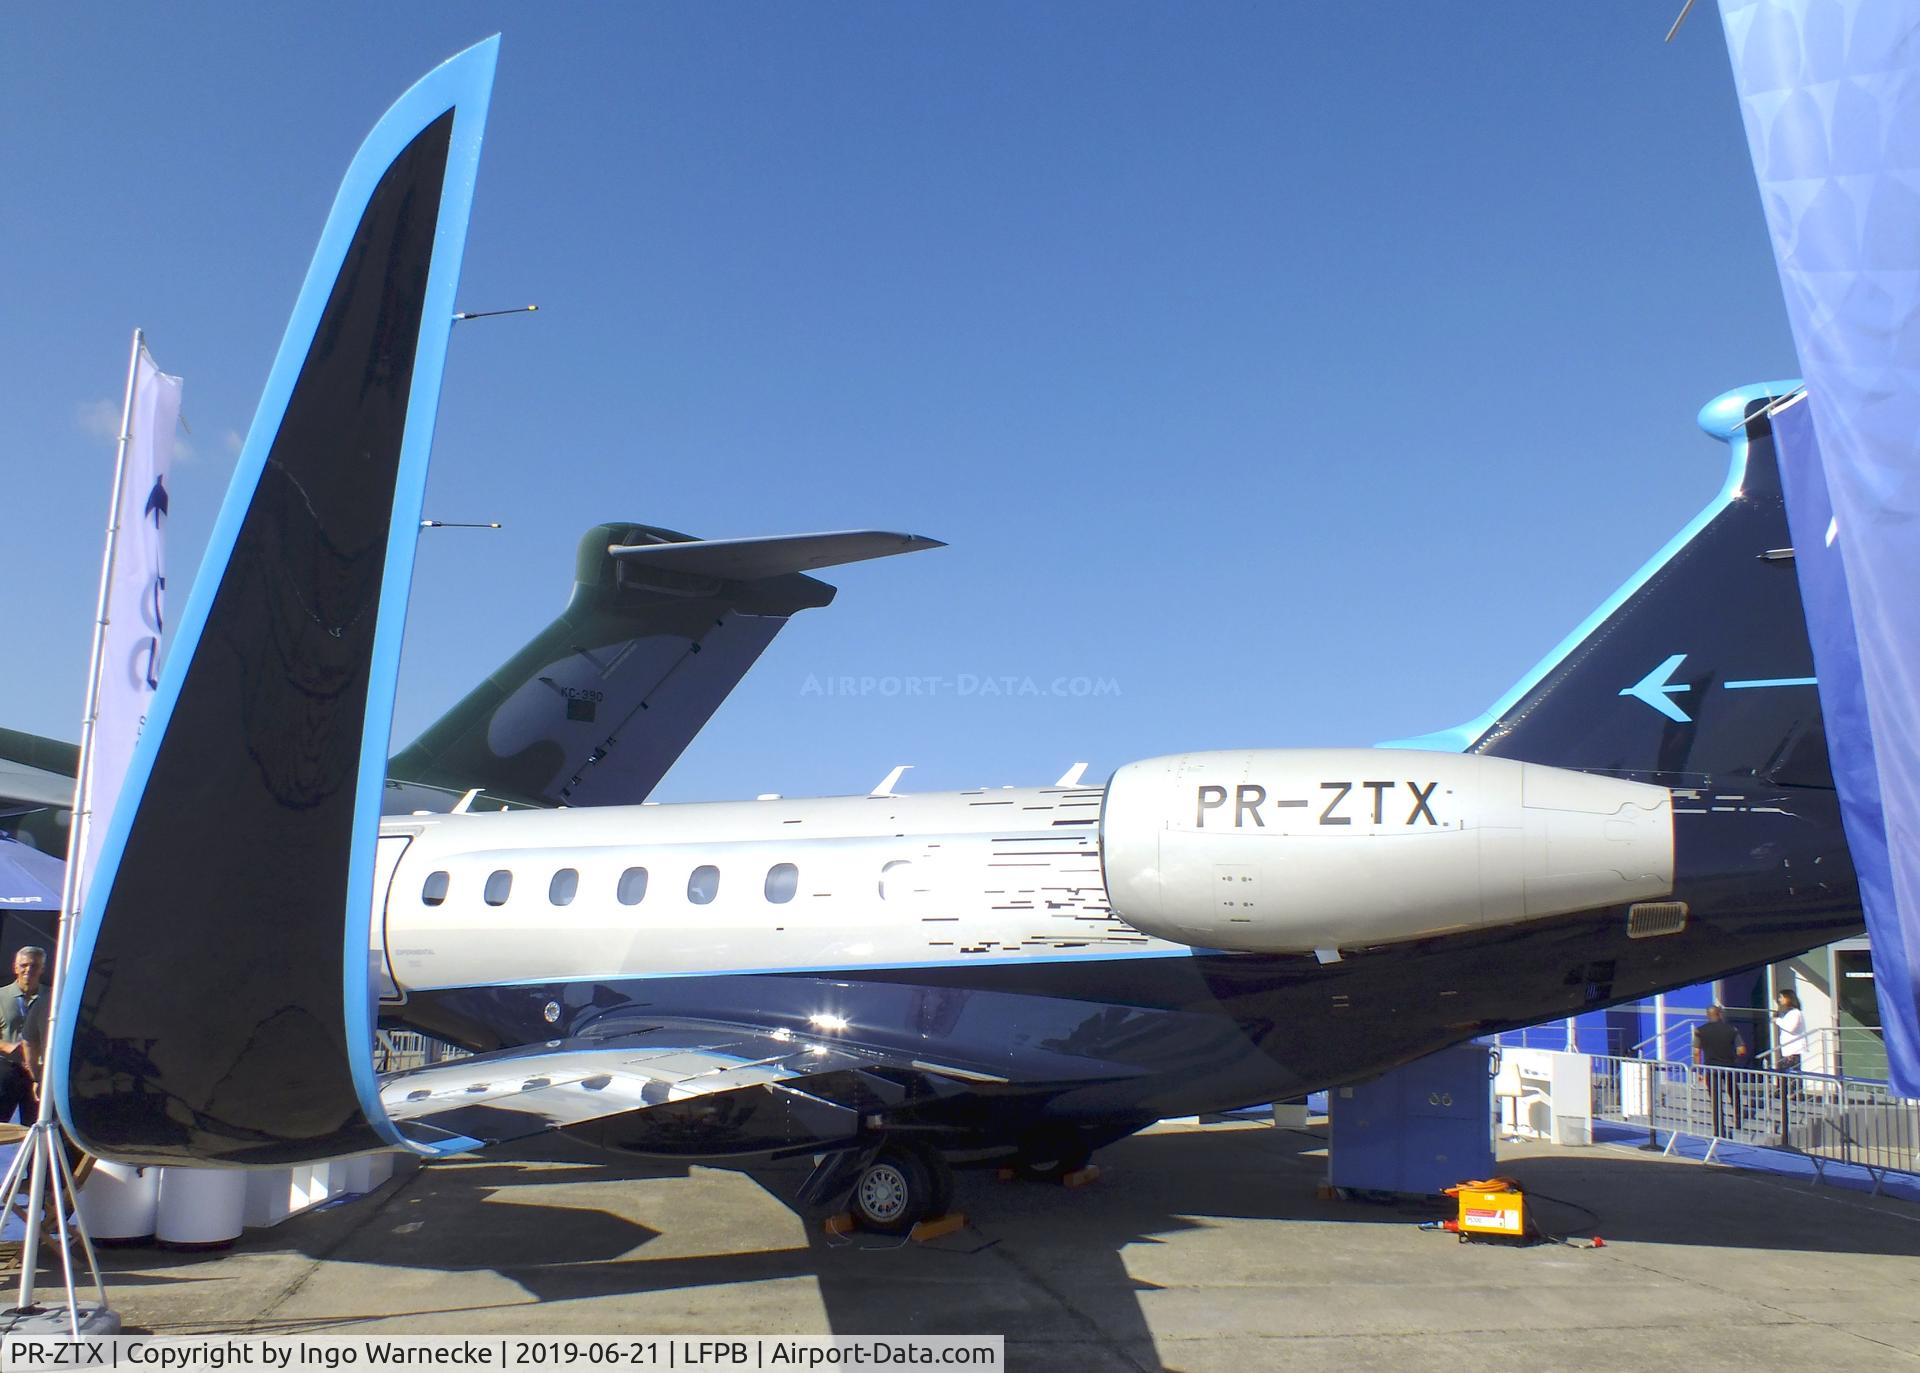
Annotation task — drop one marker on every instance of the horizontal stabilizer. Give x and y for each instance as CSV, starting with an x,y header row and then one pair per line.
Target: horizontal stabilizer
x,y
744,560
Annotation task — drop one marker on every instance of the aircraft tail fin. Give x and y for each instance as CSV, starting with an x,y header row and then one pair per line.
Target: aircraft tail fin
x,y
1699,668
660,628
217,1008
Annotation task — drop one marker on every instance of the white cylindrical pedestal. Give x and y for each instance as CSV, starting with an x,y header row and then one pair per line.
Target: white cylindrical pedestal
x,y
200,1208
269,1197
120,1203
353,1176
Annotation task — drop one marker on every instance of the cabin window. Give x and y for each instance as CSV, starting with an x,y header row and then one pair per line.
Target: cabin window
x,y
499,884
896,880
633,886
434,890
783,880
703,884
565,883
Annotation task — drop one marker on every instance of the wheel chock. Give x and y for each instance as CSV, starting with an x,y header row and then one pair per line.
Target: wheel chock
x,y
937,1227
1079,1177
843,1224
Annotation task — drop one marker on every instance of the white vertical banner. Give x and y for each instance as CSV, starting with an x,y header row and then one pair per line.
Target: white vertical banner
x,y
130,651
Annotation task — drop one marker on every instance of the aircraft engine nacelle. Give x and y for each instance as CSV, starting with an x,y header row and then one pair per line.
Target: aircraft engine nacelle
x,y
1289,850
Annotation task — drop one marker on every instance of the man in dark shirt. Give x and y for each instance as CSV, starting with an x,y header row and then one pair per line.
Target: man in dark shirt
x,y
1716,1045
23,1036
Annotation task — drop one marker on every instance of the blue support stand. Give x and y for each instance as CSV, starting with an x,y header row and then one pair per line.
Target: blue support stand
x,y
1420,1128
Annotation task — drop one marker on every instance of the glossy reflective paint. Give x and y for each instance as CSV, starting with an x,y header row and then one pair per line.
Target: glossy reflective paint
x,y
217,1014
1111,1043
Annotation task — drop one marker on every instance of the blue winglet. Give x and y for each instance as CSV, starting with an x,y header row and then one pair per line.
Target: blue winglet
x,y
218,1004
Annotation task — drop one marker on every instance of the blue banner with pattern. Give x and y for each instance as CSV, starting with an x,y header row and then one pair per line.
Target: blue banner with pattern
x,y
1830,94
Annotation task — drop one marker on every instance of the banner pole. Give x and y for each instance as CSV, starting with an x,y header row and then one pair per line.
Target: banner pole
x,y
45,1139
83,774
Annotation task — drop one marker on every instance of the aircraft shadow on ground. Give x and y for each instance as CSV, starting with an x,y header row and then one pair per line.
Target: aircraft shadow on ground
x,y
1037,1261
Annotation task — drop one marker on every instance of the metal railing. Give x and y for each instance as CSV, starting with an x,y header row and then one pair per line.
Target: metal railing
x,y
1854,1051
1552,1035
396,1051
1828,1119
1675,1043
1845,1050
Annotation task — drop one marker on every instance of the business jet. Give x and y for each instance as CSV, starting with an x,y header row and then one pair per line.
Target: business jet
x,y
882,983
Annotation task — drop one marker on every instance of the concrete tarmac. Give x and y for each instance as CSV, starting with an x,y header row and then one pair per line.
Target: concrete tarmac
x,y
1200,1248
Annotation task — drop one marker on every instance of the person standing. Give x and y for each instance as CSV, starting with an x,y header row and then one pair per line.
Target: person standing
x,y
1790,1032
1789,1048
23,1036
1717,1045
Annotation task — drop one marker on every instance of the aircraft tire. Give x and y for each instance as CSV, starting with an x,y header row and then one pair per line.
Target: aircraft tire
x,y
898,1190
1049,1152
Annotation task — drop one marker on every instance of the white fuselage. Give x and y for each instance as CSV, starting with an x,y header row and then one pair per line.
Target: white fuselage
x,y
1319,849
753,886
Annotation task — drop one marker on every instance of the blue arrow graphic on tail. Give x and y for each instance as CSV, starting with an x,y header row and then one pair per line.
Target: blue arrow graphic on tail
x,y
1655,689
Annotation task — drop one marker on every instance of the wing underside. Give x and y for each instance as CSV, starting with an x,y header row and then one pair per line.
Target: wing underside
x,y
677,1088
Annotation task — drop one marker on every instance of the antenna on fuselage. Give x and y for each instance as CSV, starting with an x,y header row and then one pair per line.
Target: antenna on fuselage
x,y
1071,777
890,781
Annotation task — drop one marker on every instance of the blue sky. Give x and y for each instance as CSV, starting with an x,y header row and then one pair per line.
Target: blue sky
x,y
1280,374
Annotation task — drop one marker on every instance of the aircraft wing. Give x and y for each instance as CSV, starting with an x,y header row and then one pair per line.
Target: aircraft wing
x,y
35,772
675,1087
594,710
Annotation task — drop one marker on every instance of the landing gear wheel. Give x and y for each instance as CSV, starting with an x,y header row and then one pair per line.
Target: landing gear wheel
x,y
900,1188
1051,1152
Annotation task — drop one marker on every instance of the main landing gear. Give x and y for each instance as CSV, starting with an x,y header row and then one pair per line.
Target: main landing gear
x,y
901,1186
889,1187
1047,1153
